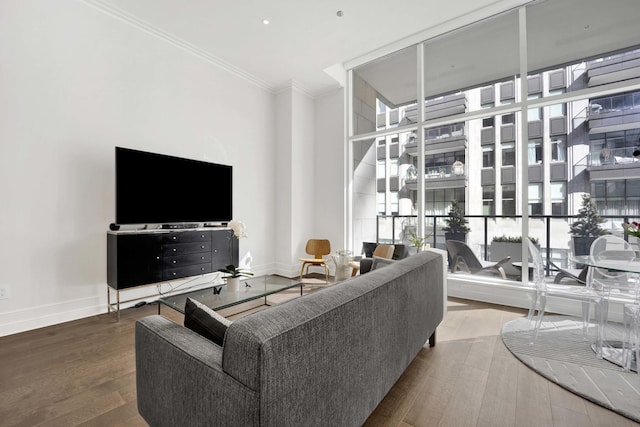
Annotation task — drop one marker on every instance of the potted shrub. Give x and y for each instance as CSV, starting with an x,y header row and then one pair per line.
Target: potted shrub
x,y
456,228
503,246
586,228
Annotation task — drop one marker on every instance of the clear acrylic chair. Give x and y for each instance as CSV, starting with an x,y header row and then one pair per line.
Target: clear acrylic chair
x,y
543,290
620,286
631,336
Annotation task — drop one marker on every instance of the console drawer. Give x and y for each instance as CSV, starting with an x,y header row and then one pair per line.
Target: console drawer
x,y
186,237
187,259
190,270
185,248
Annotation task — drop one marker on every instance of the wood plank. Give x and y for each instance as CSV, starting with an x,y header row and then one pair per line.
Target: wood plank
x,y
83,373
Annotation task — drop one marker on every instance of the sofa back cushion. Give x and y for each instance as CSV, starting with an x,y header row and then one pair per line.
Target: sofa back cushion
x,y
206,322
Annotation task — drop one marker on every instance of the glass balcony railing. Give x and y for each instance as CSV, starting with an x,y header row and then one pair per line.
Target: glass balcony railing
x,y
437,172
552,233
613,156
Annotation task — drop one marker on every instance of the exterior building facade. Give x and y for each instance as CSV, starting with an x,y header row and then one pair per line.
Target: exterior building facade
x,y
585,146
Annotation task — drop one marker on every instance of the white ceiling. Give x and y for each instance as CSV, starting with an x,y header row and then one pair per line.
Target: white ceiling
x,y
303,38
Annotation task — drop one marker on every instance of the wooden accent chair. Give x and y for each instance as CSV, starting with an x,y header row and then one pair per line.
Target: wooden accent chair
x,y
318,248
381,251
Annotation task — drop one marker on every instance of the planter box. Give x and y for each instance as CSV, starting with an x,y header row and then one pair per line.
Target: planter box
x,y
500,250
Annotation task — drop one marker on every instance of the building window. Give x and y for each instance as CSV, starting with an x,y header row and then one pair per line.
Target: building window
x,y
534,152
381,170
488,200
438,202
558,198
535,199
509,199
381,106
558,110
508,119
534,114
394,203
508,154
393,167
488,122
382,210
559,149
488,156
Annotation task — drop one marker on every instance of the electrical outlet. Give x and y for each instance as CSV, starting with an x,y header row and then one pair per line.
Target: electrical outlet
x,y
4,291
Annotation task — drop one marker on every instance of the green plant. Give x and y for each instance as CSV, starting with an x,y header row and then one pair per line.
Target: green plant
x,y
418,241
233,272
456,222
588,222
513,239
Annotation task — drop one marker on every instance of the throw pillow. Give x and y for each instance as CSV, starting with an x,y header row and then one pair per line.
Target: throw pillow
x,y
204,321
380,262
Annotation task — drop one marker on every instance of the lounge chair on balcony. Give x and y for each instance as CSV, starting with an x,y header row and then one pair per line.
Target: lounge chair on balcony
x,y
575,274
462,257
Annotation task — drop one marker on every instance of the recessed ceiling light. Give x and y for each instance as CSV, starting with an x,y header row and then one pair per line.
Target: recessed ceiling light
x,y
339,14
265,21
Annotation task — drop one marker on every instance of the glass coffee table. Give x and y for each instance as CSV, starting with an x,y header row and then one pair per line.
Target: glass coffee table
x,y
218,298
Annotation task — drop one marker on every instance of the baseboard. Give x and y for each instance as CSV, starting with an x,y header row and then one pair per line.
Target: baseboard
x,y
27,319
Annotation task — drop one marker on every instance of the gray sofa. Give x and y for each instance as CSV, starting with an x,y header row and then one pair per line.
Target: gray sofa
x,y
327,358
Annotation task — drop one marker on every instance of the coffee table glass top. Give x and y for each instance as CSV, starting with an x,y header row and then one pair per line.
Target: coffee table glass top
x,y
259,287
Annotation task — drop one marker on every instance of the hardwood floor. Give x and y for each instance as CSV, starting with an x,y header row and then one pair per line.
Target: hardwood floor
x,y
83,373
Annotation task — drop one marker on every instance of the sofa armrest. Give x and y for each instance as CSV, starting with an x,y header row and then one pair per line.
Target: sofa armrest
x,y
180,380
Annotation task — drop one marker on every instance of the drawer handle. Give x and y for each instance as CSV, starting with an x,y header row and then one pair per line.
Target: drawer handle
x,y
174,237
174,261
174,249
202,247
201,257
202,268
202,235
174,274
158,257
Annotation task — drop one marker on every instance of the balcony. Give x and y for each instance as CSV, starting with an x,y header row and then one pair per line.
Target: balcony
x,y
617,163
614,69
614,113
438,177
445,143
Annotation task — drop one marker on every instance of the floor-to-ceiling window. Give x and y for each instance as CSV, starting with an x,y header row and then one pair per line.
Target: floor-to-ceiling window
x,y
517,153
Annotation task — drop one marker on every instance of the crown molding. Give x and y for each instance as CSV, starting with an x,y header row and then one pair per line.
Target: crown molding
x,y
108,9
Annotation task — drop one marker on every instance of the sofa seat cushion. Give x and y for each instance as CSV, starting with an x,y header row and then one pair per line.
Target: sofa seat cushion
x,y
204,321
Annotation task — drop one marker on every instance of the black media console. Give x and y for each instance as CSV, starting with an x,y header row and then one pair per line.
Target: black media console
x,y
138,258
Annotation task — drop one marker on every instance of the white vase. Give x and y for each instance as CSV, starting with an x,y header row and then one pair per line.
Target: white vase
x,y
233,284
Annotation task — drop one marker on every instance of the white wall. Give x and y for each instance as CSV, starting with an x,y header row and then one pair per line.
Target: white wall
x,y
309,177
74,83
330,167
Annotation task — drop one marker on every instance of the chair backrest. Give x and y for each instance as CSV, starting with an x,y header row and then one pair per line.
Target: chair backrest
x,y
609,247
460,251
318,247
384,251
538,266
612,247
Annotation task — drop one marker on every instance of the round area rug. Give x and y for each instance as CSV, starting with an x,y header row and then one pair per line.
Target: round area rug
x,y
561,355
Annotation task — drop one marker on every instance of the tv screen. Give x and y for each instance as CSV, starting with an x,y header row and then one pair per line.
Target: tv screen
x,y
159,189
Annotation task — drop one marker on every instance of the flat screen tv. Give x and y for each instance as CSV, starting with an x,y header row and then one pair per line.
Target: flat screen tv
x,y
159,189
